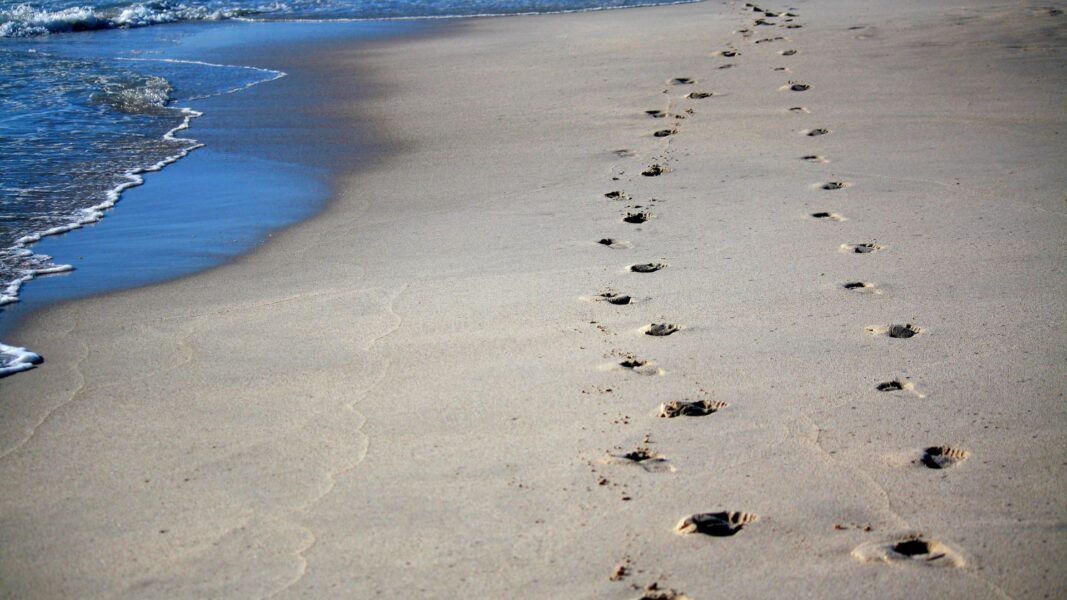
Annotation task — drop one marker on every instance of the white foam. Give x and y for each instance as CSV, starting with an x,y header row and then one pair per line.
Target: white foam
x,y
14,359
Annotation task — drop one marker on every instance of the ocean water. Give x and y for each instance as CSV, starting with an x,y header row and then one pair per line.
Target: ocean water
x,y
97,97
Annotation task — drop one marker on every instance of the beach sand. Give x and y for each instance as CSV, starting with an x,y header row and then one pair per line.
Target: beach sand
x,y
421,392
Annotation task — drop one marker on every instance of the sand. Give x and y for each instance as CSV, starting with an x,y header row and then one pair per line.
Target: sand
x,y
421,392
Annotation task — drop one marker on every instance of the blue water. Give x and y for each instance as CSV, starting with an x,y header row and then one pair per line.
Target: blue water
x,y
97,98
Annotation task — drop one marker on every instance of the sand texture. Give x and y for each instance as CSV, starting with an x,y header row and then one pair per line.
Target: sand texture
x,y
796,332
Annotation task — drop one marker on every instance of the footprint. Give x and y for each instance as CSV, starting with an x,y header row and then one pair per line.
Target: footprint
x,y
700,95
913,548
660,329
665,132
799,87
862,287
647,267
815,132
814,158
684,408
793,26
782,69
902,332
727,66
770,39
654,170
653,592
616,299
865,248
828,216
944,457
798,109
624,153
659,114
614,243
787,52
682,81
834,185
644,457
617,195
899,384
640,366
719,524
638,217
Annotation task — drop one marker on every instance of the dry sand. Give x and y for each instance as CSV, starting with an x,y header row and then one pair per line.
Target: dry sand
x,y
419,393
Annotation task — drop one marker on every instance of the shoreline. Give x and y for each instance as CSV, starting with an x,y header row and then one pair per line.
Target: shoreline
x,y
421,392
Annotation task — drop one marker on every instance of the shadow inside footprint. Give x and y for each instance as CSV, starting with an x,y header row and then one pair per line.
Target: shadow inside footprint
x,y
943,457
639,217
647,267
787,52
902,331
699,408
700,95
889,386
665,132
682,81
659,114
799,87
817,132
827,216
661,329
617,195
654,170
912,548
624,153
833,185
858,285
864,248
719,524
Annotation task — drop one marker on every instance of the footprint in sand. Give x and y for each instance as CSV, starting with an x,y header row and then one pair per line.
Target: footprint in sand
x,y
787,52
718,524
793,26
799,110
616,299
644,457
640,366
624,153
654,170
660,329
699,95
814,158
653,592
797,87
943,457
863,287
665,132
901,332
682,81
646,267
910,548
833,185
658,114
727,66
828,216
617,195
899,384
638,217
685,408
614,243
865,248
815,132
770,39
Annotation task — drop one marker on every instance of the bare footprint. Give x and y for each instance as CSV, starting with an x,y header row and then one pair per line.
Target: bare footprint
x,y
682,81
814,158
638,217
624,153
640,366
614,243
865,248
685,408
834,185
616,299
699,95
654,170
653,592
660,329
719,524
902,332
911,548
644,457
647,267
658,114
617,195
815,132
798,87
828,216
864,287
665,132
943,457
787,52
899,384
